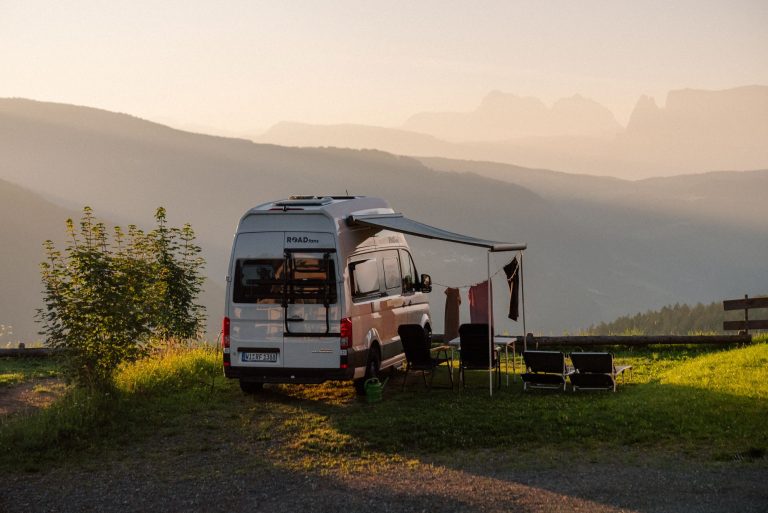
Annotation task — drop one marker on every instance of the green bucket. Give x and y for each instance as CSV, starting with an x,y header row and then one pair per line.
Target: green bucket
x,y
374,389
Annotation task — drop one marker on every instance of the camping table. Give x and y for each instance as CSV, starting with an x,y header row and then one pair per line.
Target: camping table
x,y
504,341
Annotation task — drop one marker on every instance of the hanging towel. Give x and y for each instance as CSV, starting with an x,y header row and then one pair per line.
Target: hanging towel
x,y
512,270
452,302
478,303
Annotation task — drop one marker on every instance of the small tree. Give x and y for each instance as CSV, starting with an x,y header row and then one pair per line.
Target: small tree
x,y
107,300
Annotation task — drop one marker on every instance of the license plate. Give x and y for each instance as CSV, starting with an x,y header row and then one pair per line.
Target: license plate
x,y
259,357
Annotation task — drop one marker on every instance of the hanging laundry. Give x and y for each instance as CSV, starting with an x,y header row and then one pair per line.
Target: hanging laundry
x,y
512,270
452,302
478,303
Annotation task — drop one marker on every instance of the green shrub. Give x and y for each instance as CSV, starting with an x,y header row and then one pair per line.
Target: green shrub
x,y
108,299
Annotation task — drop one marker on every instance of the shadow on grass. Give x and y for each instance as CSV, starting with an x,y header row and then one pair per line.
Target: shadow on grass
x,y
648,414
627,449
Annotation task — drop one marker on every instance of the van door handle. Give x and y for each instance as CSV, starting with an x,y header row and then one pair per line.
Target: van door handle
x,y
295,319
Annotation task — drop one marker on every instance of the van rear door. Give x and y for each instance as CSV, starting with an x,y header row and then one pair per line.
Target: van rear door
x,y
313,313
256,312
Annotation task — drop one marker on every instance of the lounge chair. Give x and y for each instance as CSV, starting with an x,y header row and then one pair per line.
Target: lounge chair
x,y
419,356
595,371
473,351
545,369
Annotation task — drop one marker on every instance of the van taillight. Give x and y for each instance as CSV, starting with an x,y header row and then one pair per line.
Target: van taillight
x,y
346,333
225,333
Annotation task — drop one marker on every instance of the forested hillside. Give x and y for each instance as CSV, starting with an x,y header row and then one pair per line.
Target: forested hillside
x,y
674,319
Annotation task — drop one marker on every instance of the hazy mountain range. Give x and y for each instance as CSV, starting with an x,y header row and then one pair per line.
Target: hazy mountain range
x,y
694,131
501,116
598,247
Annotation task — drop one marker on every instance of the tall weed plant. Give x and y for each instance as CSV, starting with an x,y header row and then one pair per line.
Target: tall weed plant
x,y
108,299
173,368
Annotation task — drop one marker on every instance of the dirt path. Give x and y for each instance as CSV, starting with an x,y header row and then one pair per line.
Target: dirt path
x,y
213,470
36,393
214,459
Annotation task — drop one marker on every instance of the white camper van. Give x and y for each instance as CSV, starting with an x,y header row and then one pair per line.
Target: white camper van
x,y
311,297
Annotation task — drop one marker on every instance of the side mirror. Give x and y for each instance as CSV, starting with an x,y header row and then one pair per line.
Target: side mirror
x,y
426,283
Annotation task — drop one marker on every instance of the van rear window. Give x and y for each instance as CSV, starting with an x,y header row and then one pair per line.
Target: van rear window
x,y
310,280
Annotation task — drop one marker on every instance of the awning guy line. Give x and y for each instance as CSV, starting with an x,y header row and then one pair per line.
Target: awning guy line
x,y
398,223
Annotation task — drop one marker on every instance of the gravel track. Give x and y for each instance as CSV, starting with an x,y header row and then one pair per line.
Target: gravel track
x,y
210,464
194,472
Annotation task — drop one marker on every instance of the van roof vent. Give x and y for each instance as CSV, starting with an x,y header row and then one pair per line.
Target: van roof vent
x,y
304,201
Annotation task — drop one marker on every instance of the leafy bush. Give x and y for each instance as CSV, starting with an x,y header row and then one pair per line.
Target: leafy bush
x,y
108,299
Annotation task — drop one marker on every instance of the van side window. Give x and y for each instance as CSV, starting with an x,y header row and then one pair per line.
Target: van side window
x,y
392,278
409,272
364,276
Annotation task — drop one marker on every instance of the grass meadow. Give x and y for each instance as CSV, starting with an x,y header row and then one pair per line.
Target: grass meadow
x,y
18,370
707,403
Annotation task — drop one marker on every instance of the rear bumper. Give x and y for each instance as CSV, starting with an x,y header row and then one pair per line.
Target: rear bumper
x,y
288,375
354,359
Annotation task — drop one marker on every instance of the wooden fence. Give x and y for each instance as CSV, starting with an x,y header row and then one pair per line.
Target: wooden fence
x,y
746,304
634,340
32,352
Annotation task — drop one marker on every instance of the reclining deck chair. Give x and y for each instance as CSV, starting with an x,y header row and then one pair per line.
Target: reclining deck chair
x,y
419,356
473,352
545,369
595,371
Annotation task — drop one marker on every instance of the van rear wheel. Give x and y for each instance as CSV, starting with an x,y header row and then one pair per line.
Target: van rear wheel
x,y
251,387
372,369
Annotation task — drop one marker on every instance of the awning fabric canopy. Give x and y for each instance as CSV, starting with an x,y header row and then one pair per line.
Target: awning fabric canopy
x,y
398,223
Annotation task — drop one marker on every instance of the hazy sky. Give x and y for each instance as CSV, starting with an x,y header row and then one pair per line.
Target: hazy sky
x,y
239,66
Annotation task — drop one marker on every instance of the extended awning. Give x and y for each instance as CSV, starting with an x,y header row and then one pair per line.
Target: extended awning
x,y
398,223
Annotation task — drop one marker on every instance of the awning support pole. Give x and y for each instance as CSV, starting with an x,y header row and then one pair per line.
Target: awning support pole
x,y
522,293
490,328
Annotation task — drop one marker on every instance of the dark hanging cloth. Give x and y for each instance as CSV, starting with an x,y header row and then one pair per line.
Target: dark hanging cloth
x,y
452,302
478,303
512,270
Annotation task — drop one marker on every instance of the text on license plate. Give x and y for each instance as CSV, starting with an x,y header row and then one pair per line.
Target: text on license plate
x,y
259,357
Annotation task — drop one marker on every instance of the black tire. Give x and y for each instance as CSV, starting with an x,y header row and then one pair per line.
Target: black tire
x,y
251,387
372,369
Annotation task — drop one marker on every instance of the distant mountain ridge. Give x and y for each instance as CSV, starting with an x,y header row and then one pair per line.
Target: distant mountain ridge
x,y
502,116
590,258
696,131
288,133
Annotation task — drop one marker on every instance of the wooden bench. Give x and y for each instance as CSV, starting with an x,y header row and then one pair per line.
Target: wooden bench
x,y
746,304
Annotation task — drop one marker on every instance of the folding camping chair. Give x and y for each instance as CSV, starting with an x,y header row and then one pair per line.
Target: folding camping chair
x,y
596,371
419,356
473,352
545,369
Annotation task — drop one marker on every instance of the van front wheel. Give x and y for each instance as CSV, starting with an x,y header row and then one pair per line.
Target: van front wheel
x,y
251,387
372,369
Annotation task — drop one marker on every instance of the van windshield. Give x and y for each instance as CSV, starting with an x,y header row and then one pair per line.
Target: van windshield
x,y
300,278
